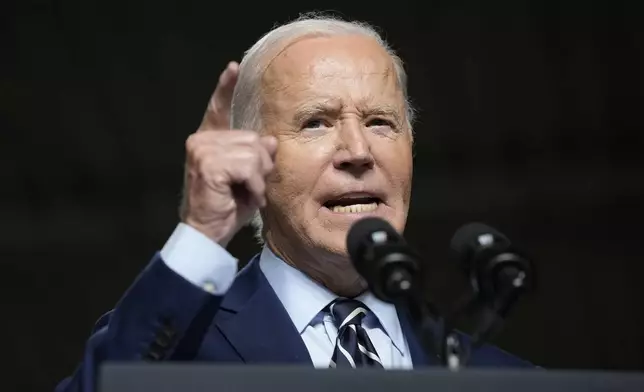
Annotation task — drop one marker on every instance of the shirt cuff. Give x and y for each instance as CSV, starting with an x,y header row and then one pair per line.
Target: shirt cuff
x,y
199,260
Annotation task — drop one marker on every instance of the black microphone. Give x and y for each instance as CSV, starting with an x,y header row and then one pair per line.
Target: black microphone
x,y
383,258
497,271
391,268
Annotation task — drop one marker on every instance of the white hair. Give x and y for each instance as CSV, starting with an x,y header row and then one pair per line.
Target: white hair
x,y
246,102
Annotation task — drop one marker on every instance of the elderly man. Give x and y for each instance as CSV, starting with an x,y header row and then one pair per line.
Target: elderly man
x,y
311,132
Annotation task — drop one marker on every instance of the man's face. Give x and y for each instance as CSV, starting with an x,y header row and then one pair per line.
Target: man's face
x,y
344,149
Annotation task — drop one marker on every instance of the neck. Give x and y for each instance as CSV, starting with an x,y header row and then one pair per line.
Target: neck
x,y
335,272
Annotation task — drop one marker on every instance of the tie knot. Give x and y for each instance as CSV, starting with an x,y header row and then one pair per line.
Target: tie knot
x,y
347,312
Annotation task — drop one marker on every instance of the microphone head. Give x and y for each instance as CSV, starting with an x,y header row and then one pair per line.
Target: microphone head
x,y
381,256
490,261
361,234
473,236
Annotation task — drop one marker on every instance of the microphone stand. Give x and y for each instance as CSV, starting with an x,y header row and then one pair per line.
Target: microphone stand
x,y
489,313
435,332
438,335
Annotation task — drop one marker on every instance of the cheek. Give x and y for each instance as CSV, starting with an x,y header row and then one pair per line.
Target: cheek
x,y
406,175
396,162
398,168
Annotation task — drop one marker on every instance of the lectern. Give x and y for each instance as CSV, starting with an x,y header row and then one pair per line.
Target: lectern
x,y
208,378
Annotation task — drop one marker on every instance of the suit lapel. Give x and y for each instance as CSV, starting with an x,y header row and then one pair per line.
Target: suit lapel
x,y
255,322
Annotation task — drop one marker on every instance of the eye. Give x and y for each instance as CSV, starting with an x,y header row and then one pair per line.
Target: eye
x,y
379,122
314,123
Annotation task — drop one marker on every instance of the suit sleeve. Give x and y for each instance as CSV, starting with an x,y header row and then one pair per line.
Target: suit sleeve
x,y
182,285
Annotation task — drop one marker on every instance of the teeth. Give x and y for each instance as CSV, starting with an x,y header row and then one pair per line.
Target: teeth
x,y
355,208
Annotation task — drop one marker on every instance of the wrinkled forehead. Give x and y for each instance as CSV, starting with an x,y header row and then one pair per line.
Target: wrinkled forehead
x,y
352,67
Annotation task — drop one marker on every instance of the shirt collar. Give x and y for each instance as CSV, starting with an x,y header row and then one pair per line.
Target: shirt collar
x,y
303,298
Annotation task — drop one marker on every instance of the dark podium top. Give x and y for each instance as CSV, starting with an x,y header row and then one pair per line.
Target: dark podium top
x,y
207,377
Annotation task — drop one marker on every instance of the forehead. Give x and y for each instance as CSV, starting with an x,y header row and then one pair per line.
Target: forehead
x,y
342,68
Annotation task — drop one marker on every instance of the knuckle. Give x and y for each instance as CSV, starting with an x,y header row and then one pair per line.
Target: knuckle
x,y
199,154
190,142
202,167
196,142
251,136
204,164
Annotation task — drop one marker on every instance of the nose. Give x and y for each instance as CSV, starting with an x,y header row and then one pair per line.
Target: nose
x,y
353,149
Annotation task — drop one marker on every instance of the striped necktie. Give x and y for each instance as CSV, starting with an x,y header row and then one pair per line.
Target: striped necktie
x,y
353,348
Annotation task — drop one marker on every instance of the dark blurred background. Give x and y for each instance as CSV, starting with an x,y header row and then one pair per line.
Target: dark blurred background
x,y
531,120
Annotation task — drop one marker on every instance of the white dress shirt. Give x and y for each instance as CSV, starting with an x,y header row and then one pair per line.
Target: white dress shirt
x,y
206,264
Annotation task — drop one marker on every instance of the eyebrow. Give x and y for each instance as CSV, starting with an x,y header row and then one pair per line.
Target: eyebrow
x,y
307,111
385,111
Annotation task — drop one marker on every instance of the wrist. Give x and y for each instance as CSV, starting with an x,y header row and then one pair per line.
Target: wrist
x,y
214,232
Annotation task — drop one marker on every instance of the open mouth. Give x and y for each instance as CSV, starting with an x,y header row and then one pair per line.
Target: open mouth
x,y
353,205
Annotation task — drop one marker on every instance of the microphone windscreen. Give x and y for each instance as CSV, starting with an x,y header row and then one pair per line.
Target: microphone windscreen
x,y
360,232
468,236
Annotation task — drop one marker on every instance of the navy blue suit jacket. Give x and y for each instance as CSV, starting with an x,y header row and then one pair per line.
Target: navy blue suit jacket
x,y
162,316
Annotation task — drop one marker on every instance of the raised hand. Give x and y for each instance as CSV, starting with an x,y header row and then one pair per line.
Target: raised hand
x,y
225,169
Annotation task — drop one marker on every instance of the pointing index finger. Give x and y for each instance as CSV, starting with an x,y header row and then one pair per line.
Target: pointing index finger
x,y
217,114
